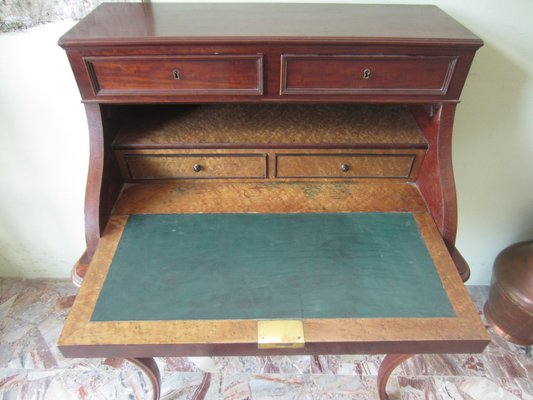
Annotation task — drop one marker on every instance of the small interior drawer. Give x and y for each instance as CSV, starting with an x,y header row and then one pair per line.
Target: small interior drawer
x,y
194,166
359,74
344,165
178,75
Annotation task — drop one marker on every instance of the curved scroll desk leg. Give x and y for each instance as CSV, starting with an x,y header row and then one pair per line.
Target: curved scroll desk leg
x,y
461,264
435,180
79,270
149,367
104,181
389,363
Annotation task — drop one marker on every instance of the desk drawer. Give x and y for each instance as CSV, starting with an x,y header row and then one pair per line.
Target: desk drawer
x,y
179,75
352,74
195,166
344,165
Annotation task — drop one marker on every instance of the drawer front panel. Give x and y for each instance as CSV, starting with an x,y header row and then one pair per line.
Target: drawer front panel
x,y
349,74
197,166
344,165
179,75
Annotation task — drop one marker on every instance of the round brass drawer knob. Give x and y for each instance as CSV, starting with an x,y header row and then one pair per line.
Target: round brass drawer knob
x,y
197,167
345,167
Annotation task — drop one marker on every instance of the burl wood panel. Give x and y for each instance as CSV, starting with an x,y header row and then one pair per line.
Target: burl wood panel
x,y
270,125
182,75
82,338
194,196
165,163
356,74
344,165
198,166
379,165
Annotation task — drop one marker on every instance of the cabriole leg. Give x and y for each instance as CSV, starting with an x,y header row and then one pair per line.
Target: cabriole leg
x,y
149,367
389,363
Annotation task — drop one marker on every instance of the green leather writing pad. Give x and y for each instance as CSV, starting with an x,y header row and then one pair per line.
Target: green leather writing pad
x,y
271,266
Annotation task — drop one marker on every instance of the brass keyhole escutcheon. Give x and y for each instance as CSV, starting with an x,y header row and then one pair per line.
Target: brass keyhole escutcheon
x,y
366,74
176,74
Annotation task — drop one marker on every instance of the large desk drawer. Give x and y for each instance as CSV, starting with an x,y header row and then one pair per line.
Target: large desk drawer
x,y
354,74
362,165
194,166
176,75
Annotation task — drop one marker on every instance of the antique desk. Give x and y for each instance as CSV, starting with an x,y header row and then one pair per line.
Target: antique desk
x,y
270,179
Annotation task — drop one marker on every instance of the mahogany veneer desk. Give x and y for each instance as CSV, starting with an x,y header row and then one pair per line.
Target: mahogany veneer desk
x,y
270,179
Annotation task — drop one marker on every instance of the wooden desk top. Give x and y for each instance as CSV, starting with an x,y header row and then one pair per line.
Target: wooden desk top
x,y
113,24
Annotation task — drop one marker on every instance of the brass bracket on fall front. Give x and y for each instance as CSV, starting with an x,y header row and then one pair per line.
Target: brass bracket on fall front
x,y
280,334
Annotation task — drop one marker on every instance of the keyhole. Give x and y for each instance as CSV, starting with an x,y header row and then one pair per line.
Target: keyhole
x,y
366,74
176,74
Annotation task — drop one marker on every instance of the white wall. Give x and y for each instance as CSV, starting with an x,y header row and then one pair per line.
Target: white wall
x,y
43,156
43,144
493,138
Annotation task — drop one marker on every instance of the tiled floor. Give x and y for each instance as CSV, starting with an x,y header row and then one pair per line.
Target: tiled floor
x,y
32,314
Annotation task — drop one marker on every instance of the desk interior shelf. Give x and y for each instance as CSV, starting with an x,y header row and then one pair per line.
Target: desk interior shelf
x,y
269,125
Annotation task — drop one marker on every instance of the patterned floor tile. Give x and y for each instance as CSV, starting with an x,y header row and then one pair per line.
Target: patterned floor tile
x,y
32,313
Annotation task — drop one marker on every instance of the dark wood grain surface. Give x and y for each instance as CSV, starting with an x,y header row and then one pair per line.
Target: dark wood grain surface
x,y
152,22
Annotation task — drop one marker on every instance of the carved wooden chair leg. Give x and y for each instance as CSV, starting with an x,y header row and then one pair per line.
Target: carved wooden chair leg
x,y
149,367
389,363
